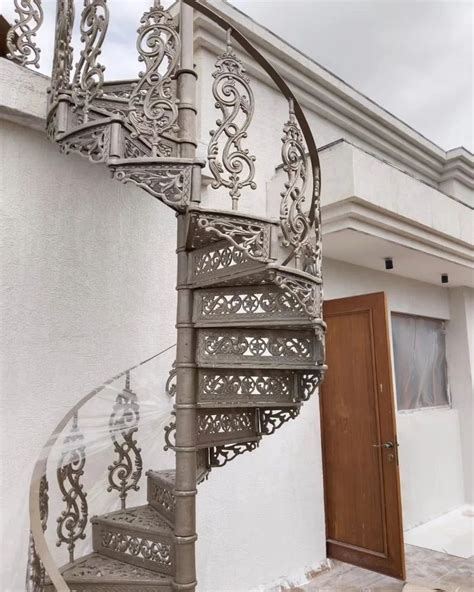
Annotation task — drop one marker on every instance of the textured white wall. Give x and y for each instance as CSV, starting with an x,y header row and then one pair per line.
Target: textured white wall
x,y
88,276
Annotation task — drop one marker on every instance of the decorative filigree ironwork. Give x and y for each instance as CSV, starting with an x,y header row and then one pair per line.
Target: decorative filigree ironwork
x,y
221,455
125,472
89,74
227,387
73,520
234,97
309,382
153,111
252,237
306,292
170,183
272,419
139,546
170,435
35,572
162,497
250,303
170,386
294,222
91,141
217,258
255,346
222,422
62,60
21,45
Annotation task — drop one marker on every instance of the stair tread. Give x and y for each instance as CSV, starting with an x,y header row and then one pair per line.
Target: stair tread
x,y
169,476
141,517
95,567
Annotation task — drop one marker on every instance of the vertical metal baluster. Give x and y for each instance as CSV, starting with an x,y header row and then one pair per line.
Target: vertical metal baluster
x,y
234,97
152,109
73,520
126,471
21,43
89,74
35,572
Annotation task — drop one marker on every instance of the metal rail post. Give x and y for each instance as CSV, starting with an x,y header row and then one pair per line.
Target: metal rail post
x,y
186,380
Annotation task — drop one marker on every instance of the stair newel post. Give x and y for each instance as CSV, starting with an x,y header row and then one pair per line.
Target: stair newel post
x,y
186,377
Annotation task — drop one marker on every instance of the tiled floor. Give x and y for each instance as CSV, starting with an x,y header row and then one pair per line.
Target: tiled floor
x,y
424,568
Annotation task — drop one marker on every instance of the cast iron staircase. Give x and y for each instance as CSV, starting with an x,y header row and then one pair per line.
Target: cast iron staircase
x,y
250,331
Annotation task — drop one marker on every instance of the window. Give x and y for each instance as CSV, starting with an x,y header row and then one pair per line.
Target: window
x,y
419,351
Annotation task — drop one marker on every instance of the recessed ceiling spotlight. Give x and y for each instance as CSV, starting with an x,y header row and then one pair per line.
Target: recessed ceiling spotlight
x,y
388,263
444,278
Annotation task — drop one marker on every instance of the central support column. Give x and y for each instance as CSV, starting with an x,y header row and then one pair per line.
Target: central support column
x,y
186,386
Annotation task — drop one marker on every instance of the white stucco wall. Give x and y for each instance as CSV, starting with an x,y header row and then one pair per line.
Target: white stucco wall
x,y
431,446
87,291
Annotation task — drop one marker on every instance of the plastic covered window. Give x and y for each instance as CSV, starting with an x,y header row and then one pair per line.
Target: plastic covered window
x,y
419,350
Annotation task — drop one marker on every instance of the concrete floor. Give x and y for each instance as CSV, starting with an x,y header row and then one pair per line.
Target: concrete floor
x,y
424,568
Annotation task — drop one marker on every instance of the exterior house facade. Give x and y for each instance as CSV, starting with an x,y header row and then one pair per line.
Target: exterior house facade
x,y
89,277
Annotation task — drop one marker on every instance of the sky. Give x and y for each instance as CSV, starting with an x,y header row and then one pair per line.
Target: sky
x,y
412,57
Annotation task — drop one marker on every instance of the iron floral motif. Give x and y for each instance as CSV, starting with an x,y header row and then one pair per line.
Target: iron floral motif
x,y
217,258
20,37
152,107
272,419
169,183
234,346
210,424
254,302
73,520
170,386
125,472
309,382
137,546
91,142
253,238
234,97
306,292
89,74
248,386
62,61
221,455
35,572
294,222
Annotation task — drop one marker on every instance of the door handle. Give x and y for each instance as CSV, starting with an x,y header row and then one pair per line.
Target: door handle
x,y
384,445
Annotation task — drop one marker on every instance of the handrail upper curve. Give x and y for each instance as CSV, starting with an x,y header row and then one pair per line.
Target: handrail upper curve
x,y
40,469
210,13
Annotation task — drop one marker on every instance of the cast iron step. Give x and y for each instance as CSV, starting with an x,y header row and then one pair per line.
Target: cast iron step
x,y
160,493
139,536
96,573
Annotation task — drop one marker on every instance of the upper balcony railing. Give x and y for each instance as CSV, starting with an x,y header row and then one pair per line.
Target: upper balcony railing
x,y
135,127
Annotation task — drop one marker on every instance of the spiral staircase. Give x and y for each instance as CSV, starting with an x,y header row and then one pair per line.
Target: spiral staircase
x,y
250,334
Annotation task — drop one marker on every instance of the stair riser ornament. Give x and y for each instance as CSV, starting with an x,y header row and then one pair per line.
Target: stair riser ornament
x,y
21,42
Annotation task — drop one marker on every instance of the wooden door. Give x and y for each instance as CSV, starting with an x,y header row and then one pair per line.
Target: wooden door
x,y
362,489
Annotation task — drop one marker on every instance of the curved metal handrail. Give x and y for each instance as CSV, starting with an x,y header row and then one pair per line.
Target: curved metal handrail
x,y
210,13
40,469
